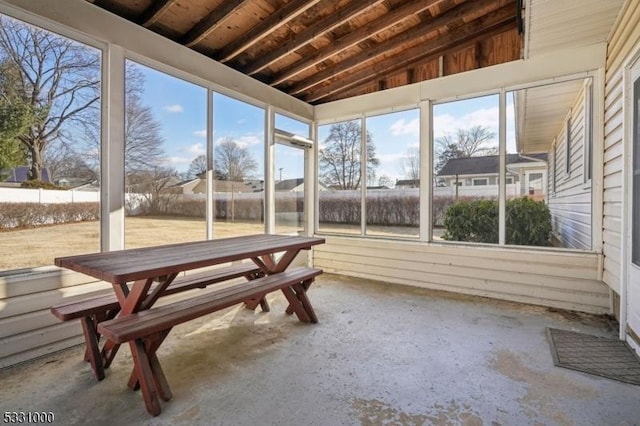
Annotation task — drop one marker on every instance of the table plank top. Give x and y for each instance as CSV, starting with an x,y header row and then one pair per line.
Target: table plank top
x,y
141,263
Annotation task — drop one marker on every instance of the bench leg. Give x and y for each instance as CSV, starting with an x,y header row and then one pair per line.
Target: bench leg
x,y
253,304
145,373
151,344
92,351
301,293
296,305
305,286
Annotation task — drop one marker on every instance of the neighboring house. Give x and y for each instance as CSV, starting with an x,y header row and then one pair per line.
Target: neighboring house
x,y
21,174
526,174
72,182
407,183
199,186
290,185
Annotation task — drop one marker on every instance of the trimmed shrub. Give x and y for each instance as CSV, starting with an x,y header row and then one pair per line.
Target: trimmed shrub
x,y
38,184
31,215
528,222
474,221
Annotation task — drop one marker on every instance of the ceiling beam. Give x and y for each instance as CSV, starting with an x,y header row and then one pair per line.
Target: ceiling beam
x,y
454,17
211,22
390,19
317,29
482,28
154,12
283,16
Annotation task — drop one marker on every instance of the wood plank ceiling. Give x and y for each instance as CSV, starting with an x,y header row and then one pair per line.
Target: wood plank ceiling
x,y
324,50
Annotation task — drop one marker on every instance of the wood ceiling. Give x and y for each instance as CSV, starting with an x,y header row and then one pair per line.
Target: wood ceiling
x,y
324,50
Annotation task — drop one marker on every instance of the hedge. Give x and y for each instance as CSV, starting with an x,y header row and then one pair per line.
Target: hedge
x,y
30,215
528,222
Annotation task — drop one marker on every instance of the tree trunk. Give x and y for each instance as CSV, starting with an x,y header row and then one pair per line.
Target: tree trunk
x,y
35,173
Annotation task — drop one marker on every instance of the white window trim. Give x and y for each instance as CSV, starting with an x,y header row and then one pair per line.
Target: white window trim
x,y
587,153
567,146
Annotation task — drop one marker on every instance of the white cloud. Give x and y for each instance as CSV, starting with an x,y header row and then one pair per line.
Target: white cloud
x,y
195,149
200,133
446,123
179,160
403,127
173,108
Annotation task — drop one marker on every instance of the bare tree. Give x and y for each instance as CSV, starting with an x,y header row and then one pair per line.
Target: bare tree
x,y
197,167
341,156
411,164
143,142
60,80
385,180
471,142
234,163
153,190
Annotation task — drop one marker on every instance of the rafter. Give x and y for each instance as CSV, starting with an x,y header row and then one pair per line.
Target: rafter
x,y
482,28
154,12
211,22
392,18
289,12
451,19
321,27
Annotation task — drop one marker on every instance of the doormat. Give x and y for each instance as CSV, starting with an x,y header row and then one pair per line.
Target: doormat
x,y
604,357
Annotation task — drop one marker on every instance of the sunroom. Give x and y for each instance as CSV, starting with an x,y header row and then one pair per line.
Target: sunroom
x,y
475,152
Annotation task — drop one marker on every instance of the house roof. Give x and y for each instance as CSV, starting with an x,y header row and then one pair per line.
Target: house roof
x,y
485,165
322,50
408,182
21,174
289,184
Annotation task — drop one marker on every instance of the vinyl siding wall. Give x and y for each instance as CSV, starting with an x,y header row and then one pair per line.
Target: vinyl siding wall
x,y
570,196
552,278
624,42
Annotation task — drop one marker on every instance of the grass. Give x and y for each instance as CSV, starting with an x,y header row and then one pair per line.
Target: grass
x,y
26,248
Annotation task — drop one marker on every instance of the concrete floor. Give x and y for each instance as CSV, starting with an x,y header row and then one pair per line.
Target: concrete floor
x,y
381,355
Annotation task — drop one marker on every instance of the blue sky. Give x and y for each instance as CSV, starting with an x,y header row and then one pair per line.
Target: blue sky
x,y
180,107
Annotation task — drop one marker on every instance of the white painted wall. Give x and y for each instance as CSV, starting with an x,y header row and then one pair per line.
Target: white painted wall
x,y
624,41
555,278
570,198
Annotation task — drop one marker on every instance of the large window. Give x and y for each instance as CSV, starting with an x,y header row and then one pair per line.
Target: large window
x,y
552,141
393,178
466,170
238,171
165,158
340,177
289,175
49,146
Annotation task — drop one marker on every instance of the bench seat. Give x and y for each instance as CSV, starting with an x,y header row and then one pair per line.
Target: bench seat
x,y
162,318
99,304
93,310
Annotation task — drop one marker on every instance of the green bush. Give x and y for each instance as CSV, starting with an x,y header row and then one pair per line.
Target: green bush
x,y
474,221
528,222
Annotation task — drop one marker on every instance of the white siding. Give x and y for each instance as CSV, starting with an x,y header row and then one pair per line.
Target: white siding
x,y
570,204
27,327
625,40
549,278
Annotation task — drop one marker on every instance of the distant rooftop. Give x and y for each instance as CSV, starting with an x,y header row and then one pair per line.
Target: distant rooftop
x,y
486,164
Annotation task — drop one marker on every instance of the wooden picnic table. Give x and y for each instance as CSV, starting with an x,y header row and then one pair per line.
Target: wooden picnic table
x,y
133,273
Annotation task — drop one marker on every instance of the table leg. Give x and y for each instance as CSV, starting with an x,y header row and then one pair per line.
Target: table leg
x,y
92,350
151,345
296,305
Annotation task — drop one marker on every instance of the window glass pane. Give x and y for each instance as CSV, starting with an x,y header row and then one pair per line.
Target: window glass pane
x,y
339,187
393,175
547,125
49,146
238,185
466,165
292,125
289,189
165,158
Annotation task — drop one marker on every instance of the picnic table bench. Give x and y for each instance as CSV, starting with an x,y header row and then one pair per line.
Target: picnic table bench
x,y
140,276
93,310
